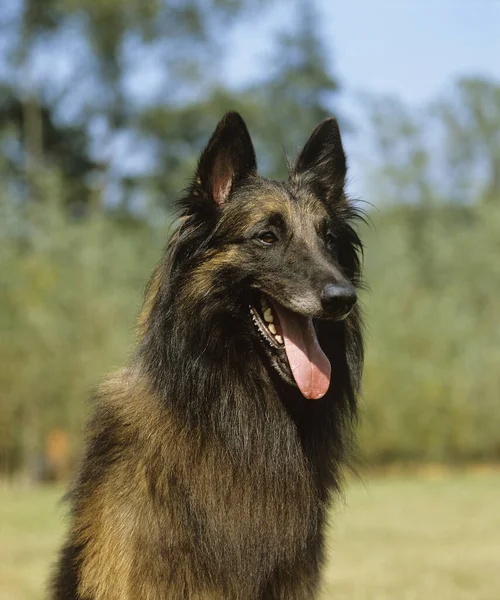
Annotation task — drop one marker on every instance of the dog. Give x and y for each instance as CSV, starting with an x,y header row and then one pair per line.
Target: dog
x,y
211,458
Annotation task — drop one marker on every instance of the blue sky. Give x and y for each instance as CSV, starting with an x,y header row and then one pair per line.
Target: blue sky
x,y
412,49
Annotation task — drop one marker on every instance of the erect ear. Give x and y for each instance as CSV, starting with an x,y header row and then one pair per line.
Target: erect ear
x,y
322,162
228,159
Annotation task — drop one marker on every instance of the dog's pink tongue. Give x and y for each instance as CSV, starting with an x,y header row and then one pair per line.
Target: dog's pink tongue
x,y
310,366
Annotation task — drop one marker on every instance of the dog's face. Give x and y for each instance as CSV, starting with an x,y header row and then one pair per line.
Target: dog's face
x,y
284,250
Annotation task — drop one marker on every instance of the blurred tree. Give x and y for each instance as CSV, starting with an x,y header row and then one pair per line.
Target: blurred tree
x,y
298,92
403,173
283,107
446,154
108,42
432,266
65,147
450,150
470,120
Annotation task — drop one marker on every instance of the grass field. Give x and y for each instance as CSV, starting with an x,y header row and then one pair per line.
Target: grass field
x,y
395,538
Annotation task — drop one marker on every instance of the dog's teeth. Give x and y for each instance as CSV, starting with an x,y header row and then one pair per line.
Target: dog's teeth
x,y
271,328
268,316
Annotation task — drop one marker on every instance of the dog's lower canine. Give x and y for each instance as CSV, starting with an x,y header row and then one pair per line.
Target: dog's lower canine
x,y
210,459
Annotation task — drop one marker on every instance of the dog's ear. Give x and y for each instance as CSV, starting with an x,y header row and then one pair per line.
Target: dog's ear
x,y
322,162
228,159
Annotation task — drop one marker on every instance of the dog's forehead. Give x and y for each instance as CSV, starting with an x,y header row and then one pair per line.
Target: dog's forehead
x,y
293,203
302,203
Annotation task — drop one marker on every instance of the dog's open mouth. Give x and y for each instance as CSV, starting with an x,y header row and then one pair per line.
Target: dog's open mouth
x,y
291,337
267,322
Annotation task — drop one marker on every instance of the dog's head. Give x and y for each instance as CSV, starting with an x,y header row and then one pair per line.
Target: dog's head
x,y
281,255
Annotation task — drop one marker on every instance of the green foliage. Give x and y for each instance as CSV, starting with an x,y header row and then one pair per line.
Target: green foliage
x,y
471,120
72,289
431,383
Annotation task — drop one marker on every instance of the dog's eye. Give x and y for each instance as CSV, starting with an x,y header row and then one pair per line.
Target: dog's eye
x,y
267,238
330,241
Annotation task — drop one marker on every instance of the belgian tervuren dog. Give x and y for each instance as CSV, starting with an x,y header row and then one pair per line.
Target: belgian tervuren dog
x,y
211,458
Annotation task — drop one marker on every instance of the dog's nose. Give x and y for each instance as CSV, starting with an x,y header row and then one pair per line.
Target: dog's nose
x,y
338,299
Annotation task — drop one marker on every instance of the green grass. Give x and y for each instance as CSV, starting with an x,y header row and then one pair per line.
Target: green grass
x,y
31,527
395,538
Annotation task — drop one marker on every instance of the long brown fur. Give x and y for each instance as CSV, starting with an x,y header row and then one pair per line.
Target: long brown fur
x,y
207,476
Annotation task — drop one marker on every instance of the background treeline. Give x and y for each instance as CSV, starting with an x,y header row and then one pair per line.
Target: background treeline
x,y
103,109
